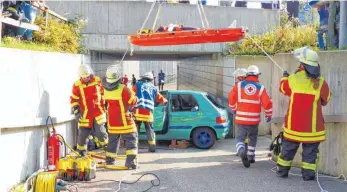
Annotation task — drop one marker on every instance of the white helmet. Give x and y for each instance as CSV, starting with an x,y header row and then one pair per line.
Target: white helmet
x,y
240,72
84,71
253,70
148,75
112,74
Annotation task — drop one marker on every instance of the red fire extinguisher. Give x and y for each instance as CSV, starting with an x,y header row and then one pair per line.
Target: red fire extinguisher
x,y
53,148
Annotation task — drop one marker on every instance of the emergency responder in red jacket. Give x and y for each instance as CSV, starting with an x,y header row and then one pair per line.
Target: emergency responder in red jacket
x,y
147,94
87,103
119,99
304,121
240,75
246,100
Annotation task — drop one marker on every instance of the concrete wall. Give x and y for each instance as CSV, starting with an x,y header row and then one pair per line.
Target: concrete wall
x,y
111,21
215,76
34,85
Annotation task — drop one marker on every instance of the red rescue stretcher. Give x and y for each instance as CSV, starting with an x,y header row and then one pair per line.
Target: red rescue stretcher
x,y
188,37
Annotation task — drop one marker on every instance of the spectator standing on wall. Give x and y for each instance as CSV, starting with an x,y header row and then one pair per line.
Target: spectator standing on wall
x,y
133,80
161,78
125,79
155,84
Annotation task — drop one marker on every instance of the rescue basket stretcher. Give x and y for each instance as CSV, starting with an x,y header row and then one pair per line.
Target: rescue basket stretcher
x,y
188,37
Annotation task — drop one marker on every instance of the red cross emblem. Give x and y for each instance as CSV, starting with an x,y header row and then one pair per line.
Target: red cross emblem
x,y
250,89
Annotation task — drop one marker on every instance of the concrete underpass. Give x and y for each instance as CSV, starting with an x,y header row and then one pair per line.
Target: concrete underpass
x,y
202,67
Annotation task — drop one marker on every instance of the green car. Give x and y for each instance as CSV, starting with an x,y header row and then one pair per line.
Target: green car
x,y
189,115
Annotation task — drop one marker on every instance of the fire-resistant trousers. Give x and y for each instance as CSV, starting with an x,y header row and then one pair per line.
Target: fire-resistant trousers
x,y
244,131
310,155
130,141
149,131
98,131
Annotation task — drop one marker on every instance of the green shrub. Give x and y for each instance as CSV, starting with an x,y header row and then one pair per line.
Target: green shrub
x,y
56,36
281,40
287,37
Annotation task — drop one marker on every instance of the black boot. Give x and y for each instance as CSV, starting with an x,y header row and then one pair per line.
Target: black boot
x,y
131,165
110,161
282,172
244,158
83,153
152,148
308,178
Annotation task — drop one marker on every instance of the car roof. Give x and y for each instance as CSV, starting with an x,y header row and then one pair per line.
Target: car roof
x,y
187,91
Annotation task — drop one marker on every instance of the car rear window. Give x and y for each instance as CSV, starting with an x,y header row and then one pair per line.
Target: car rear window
x,y
214,101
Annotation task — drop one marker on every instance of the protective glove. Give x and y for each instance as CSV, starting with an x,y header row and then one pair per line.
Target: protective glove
x,y
233,112
78,116
285,74
268,119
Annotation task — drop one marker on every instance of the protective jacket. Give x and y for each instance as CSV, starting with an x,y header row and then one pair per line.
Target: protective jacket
x,y
119,98
147,94
304,119
89,98
247,98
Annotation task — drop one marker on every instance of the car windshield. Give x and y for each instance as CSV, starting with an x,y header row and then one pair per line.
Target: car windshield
x,y
214,101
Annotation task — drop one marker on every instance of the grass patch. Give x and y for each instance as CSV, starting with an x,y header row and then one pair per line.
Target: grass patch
x,y
10,42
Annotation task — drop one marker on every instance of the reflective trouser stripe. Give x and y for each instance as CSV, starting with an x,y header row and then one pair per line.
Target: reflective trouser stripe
x,y
239,145
112,155
131,152
151,142
309,166
82,147
283,162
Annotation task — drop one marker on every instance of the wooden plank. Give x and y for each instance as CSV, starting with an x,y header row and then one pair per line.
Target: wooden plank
x,y
16,23
50,12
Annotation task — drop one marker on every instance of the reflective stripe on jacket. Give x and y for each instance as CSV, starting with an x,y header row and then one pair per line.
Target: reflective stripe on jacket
x,y
119,101
247,98
90,99
142,113
304,120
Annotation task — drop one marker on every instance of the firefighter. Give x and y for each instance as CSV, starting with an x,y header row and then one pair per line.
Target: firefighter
x,y
240,75
245,101
87,104
119,99
304,123
147,94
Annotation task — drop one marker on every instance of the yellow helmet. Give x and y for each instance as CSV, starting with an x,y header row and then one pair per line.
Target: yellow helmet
x,y
112,74
240,72
309,57
84,71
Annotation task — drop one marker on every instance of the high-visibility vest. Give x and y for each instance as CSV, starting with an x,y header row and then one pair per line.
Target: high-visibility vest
x,y
89,98
304,121
247,98
119,101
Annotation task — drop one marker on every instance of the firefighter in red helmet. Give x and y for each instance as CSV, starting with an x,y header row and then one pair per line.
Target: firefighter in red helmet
x,y
246,100
304,123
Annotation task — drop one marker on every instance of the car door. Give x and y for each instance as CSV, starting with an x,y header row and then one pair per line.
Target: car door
x,y
159,114
184,109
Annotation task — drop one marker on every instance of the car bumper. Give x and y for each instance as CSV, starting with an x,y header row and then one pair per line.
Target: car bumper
x,y
222,130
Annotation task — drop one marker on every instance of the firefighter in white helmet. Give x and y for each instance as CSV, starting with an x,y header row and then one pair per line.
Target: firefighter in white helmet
x,y
240,75
246,100
87,103
119,98
147,94
304,122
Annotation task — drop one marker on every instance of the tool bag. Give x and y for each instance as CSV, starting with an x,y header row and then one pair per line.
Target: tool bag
x,y
276,144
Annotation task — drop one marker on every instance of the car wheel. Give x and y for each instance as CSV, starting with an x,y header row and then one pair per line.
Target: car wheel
x,y
203,138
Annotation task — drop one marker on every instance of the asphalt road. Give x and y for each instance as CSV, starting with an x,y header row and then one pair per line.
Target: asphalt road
x,y
217,169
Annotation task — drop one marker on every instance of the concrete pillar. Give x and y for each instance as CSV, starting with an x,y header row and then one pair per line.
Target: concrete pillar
x,y
343,25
